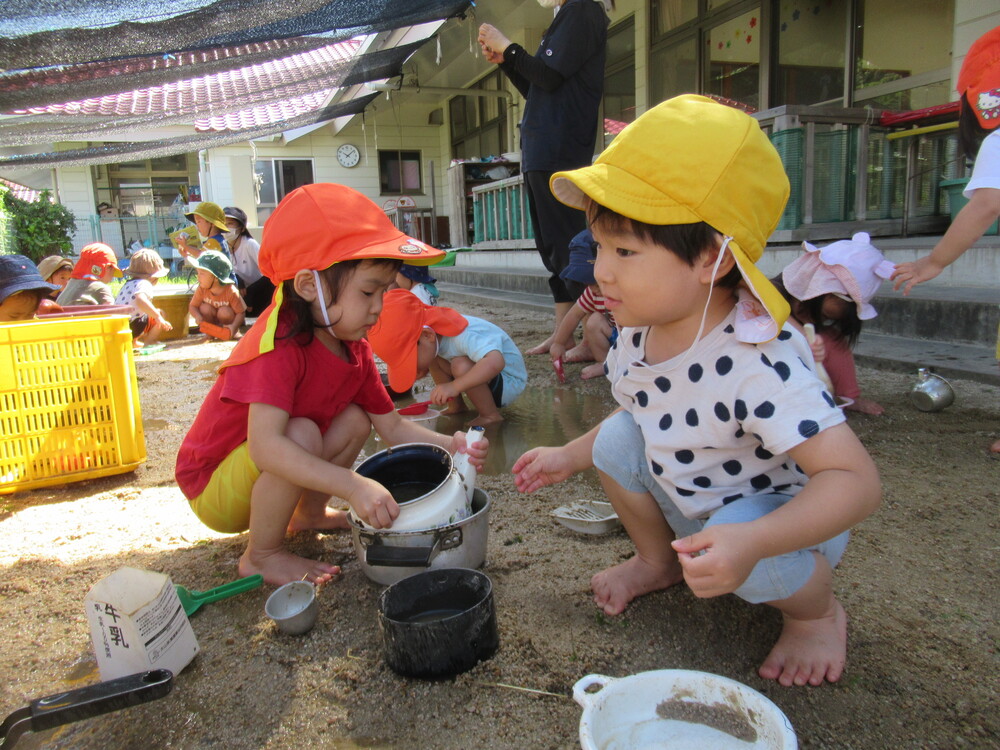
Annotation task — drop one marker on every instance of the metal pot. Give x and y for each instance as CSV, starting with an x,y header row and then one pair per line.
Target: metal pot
x,y
931,392
438,623
388,555
431,487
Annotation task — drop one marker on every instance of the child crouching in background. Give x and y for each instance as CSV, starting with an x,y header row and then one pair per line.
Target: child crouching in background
x,y
216,306
145,268
831,288
298,397
462,353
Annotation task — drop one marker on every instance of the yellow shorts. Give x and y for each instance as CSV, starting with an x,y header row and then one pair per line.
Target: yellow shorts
x,y
224,505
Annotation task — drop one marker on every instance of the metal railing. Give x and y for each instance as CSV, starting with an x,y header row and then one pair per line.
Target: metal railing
x,y
849,174
419,223
500,215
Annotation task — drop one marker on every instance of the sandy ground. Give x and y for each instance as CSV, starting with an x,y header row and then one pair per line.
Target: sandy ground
x,y
919,582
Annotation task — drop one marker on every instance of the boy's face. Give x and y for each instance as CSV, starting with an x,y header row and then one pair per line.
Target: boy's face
x,y
205,227
61,277
645,284
108,274
19,306
206,279
360,300
427,349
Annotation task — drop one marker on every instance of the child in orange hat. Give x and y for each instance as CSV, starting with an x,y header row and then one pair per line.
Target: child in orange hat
x,y
979,136
462,353
293,405
92,274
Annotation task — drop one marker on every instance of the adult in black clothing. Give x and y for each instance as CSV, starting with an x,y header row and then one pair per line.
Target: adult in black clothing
x,y
562,86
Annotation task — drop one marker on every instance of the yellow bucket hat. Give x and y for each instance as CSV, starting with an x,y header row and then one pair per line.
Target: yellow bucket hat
x,y
691,159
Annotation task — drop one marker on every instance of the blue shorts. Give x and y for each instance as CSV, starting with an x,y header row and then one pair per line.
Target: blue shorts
x,y
620,452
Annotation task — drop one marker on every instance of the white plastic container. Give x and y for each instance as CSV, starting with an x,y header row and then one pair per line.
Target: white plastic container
x,y
677,709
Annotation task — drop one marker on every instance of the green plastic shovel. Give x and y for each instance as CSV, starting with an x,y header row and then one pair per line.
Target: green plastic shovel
x,y
192,600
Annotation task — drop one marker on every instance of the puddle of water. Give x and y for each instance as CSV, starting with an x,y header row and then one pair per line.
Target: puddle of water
x,y
539,416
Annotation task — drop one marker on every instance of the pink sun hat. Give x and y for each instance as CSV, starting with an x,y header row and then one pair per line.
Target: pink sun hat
x,y
853,268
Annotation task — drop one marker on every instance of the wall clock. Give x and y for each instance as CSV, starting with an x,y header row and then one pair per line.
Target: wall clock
x,y
348,155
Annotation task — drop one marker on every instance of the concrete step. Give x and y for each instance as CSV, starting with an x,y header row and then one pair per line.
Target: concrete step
x,y
969,361
968,315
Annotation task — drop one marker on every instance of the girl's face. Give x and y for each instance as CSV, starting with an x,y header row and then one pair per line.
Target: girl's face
x,y
108,275
61,277
359,303
19,306
234,226
835,308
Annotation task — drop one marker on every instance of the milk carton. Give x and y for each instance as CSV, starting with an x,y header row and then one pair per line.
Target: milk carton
x,y
137,623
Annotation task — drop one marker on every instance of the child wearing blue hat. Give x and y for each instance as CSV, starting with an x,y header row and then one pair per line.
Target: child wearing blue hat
x,y
599,329
21,288
415,279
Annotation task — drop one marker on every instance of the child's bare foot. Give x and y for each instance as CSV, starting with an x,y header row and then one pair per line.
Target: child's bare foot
x,y
995,448
328,518
483,421
579,353
595,370
618,585
542,348
283,567
809,651
865,406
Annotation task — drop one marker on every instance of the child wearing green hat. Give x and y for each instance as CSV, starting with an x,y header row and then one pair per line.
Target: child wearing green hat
x,y
728,463
216,306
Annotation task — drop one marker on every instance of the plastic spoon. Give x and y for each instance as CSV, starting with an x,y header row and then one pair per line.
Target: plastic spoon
x,y
821,372
414,409
192,600
557,365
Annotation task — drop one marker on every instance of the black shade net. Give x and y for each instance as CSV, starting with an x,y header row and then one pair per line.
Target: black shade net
x,y
42,33
156,108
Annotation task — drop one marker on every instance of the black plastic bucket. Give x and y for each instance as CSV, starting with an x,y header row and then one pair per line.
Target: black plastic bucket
x,y
438,623
409,471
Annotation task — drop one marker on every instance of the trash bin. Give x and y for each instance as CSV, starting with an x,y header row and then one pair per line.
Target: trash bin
x,y
953,189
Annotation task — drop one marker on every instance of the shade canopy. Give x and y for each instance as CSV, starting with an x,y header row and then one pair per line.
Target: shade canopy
x,y
116,73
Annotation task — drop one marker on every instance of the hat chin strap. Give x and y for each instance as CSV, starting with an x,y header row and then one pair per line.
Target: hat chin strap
x,y
704,313
322,304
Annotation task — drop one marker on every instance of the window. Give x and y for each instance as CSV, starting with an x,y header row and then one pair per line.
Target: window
x,y
904,53
276,178
479,123
618,104
706,46
811,54
153,187
399,173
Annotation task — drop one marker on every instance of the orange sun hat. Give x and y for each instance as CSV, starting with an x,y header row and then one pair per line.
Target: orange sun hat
x,y
394,337
979,78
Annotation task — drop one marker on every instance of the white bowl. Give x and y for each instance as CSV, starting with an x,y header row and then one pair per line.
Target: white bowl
x,y
588,517
678,708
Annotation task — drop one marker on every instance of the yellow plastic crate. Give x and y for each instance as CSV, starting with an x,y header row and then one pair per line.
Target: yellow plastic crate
x,y
69,402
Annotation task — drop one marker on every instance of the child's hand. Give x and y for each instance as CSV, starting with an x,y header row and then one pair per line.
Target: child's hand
x,y
908,275
541,467
373,503
477,452
557,351
716,560
443,393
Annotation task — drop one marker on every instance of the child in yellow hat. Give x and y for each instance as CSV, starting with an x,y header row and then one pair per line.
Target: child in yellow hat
x,y
298,397
728,462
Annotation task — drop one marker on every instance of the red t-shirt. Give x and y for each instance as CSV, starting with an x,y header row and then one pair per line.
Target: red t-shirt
x,y
306,381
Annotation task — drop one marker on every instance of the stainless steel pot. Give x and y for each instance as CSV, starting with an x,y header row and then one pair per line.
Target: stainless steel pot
x,y
387,556
931,392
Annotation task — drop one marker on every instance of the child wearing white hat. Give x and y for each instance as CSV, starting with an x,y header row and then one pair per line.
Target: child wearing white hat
x,y
831,288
